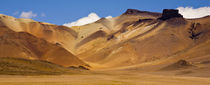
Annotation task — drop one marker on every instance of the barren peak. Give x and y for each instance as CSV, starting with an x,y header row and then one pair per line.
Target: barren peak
x,y
136,12
133,11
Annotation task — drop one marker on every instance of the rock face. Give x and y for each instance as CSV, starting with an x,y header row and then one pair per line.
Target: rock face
x,y
170,13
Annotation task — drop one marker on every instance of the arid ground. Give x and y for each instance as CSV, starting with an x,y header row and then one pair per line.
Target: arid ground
x,y
103,79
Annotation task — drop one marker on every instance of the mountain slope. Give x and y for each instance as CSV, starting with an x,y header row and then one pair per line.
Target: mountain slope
x,y
51,33
25,45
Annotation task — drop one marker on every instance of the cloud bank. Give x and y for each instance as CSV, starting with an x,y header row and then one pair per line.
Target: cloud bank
x,y
28,15
92,17
190,12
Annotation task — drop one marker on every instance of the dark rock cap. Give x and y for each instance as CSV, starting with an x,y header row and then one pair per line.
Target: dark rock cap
x,y
170,13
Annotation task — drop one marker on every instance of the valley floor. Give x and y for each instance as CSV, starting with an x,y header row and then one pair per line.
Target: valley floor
x,y
103,78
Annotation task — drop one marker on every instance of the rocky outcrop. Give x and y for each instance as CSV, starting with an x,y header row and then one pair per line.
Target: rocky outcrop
x,y
133,11
170,13
181,64
138,12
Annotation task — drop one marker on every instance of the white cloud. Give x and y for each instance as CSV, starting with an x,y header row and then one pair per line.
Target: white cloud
x,y
108,17
92,17
190,12
28,14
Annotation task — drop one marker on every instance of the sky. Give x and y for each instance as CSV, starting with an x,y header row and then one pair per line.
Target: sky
x,y
66,11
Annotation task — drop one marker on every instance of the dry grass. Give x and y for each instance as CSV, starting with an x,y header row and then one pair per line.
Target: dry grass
x,y
18,66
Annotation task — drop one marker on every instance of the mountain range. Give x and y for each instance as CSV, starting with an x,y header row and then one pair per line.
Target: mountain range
x,y
136,39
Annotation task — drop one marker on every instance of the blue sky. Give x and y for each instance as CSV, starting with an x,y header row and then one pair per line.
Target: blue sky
x,y
63,11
